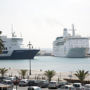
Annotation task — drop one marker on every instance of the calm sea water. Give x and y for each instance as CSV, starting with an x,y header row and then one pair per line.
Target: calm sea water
x,y
49,63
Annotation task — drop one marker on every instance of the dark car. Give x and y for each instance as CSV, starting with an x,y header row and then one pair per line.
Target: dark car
x,y
15,80
43,84
61,84
23,82
32,83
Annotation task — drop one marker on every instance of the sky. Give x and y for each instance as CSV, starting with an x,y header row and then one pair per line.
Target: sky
x,y
41,21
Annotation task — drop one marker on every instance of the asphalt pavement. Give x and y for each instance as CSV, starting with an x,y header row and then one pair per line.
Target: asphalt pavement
x,y
26,88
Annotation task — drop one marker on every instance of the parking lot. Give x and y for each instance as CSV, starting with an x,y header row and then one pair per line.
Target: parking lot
x,y
26,88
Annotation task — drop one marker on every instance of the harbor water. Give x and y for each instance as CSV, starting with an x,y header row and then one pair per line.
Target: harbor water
x,y
49,63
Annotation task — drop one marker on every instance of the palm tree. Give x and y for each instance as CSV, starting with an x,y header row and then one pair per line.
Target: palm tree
x,y
3,71
23,73
81,75
49,74
1,44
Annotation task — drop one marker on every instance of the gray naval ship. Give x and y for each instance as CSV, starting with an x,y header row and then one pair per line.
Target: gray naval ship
x,y
72,46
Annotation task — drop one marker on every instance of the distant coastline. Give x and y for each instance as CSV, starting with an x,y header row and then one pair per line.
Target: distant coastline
x,y
45,52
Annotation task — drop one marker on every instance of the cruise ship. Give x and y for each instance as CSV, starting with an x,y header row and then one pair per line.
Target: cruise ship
x,y
13,48
71,46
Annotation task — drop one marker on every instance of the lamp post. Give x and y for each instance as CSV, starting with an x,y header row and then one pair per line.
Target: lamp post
x,y
16,82
30,59
30,67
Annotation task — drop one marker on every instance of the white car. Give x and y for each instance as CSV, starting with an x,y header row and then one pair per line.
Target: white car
x,y
34,88
78,86
68,87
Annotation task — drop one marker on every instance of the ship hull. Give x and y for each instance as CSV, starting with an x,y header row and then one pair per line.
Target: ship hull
x,y
21,54
77,53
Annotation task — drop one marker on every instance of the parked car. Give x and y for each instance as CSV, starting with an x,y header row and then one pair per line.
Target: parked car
x,y
43,84
78,86
87,87
62,83
68,87
34,88
15,80
8,82
32,83
6,87
3,78
23,82
53,84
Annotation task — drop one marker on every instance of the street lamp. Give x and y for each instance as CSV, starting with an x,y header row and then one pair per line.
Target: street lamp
x,y
30,59
30,67
16,82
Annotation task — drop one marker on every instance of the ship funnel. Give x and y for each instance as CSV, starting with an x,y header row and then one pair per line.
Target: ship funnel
x,y
65,32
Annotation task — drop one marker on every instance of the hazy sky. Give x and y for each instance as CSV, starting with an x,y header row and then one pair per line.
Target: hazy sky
x,y
41,21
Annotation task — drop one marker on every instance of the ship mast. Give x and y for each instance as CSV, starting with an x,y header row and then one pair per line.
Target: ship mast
x,y
73,30
12,30
13,33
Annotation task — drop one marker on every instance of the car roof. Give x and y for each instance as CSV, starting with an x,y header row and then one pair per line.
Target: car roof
x,y
7,80
76,83
24,79
68,85
53,81
34,87
87,84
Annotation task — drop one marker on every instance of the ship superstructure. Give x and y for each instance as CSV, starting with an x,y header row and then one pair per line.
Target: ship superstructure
x,y
72,46
13,49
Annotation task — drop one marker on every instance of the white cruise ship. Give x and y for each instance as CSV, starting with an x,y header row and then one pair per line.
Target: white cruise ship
x,y
71,46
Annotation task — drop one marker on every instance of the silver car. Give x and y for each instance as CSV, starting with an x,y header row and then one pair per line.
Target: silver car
x,y
87,87
53,84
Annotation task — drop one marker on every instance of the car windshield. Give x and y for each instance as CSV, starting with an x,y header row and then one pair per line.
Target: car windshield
x,y
43,82
76,85
22,81
52,82
9,82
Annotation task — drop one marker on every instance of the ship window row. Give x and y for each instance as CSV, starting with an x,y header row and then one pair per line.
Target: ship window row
x,y
5,52
59,43
78,46
5,48
83,44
